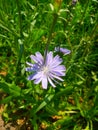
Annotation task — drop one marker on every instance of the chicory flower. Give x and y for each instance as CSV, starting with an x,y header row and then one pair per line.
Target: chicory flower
x,y
62,50
46,71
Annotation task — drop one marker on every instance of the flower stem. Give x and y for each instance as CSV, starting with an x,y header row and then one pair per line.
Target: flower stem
x,y
50,34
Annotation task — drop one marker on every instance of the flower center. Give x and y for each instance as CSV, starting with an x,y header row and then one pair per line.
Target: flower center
x,y
45,69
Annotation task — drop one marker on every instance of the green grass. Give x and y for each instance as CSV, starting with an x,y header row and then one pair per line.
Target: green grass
x,y
25,27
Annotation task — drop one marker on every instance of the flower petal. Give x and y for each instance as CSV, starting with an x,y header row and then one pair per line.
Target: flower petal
x,y
37,75
44,82
31,76
38,80
49,58
58,73
50,81
35,67
56,61
55,76
59,68
34,58
38,58
30,64
30,69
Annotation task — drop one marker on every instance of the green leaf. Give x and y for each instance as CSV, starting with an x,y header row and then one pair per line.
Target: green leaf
x,y
47,99
51,110
67,90
10,89
14,90
6,100
4,87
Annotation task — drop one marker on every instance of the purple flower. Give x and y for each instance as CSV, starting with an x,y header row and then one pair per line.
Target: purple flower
x,y
46,71
62,50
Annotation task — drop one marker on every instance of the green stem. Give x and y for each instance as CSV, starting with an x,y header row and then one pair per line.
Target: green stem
x,y
21,46
20,20
50,34
83,16
94,30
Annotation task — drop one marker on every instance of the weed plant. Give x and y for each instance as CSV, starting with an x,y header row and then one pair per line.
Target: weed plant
x,y
30,26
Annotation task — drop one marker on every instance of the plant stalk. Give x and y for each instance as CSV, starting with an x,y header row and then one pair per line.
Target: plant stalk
x,y
50,34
